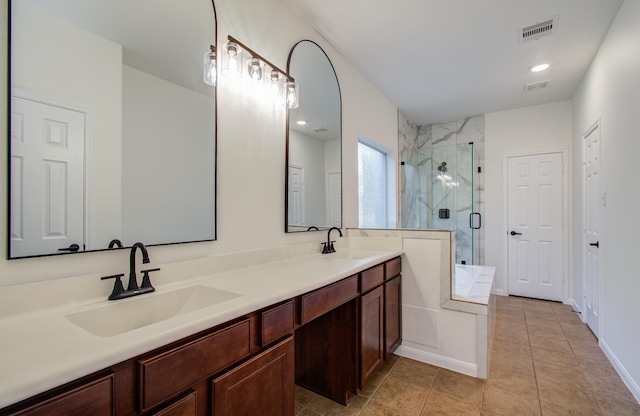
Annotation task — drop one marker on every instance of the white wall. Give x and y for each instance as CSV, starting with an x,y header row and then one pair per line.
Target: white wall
x,y
251,151
523,130
609,92
167,161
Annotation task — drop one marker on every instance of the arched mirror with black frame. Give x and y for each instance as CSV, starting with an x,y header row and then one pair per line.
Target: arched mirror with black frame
x,y
112,124
313,180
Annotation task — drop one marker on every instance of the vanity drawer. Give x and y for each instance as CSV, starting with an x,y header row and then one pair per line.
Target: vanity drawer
x,y
167,374
323,300
393,268
186,406
371,278
93,398
276,322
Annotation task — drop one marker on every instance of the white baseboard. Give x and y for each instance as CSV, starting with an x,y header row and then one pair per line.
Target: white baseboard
x,y
438,360
626,377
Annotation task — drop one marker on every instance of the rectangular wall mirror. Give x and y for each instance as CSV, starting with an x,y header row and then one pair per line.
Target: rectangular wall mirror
x,y
314,143
112,125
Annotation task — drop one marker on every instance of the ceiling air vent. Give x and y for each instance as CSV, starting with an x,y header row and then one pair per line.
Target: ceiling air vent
x,y
320,130
536,86
540,29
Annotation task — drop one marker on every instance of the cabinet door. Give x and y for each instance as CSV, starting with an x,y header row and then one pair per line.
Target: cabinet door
x,y
262,386
371,333
392,315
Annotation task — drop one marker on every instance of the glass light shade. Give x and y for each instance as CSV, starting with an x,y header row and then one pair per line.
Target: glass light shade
x,y
232,60
292,95
275,82
255,69
209,70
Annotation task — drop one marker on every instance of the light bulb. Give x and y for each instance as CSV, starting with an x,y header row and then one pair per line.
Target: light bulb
x,y
231,66
275,84
254,69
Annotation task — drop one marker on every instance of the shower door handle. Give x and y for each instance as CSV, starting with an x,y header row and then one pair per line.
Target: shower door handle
x,y
471,220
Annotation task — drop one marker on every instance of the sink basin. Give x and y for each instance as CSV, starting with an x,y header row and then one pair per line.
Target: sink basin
x,y
129,314
356,254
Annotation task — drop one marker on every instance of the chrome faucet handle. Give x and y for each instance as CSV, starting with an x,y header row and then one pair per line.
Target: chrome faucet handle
x,y
146,281
118,289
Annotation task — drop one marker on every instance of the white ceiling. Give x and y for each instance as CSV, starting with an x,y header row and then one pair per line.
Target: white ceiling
x,y
439,60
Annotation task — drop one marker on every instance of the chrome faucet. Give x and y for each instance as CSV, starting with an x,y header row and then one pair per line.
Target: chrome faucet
x,y
328,246
133,289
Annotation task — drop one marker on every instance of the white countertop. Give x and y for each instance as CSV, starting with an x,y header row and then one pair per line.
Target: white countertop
x,y
42,349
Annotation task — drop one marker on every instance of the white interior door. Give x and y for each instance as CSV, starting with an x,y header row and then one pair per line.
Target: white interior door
x,y
591,229
47,178
296,195
334,181
535,226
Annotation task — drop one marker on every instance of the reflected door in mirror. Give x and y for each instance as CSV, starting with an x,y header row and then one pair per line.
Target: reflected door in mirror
x,y
147,168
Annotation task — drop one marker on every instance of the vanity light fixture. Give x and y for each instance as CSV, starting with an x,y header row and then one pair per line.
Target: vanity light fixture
x,y
539,68
255,69
259,73
276,81
301,122
232,60
210,71
292,95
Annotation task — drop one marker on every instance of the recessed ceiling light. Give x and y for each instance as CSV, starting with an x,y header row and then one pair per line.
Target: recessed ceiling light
x,y
539,68
301,122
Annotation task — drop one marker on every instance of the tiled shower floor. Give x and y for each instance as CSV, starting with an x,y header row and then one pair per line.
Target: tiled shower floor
x,y
544,361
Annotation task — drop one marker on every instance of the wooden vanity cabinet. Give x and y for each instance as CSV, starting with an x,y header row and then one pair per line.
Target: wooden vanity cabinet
x,y
326,341
392,315
89,398
371,333
264,385
186,406
163,375
380,318
343,334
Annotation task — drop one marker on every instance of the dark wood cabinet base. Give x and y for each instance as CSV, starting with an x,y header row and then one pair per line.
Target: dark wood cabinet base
x,y
326,360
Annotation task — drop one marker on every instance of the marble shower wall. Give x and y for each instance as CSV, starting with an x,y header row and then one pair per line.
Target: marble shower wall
x,y
423,192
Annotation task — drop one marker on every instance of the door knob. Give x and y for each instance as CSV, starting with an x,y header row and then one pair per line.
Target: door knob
x,y
596,244
72,247
515,233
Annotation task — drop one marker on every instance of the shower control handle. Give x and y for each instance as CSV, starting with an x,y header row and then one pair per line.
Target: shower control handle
x,y
515,233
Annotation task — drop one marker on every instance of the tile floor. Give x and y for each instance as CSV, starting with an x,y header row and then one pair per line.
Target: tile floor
x,y
544,361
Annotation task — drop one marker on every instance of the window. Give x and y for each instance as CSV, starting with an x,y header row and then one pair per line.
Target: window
x,y
372,187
